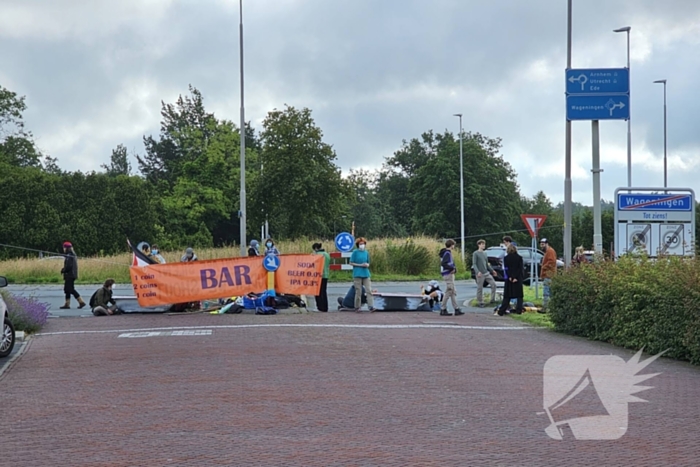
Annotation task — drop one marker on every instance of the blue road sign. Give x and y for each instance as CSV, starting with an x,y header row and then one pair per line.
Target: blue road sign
x,y
271,262
600,107
653,202
344,242
598,81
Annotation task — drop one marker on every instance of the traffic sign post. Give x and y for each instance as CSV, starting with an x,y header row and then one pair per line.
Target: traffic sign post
x,y
657,221
533,222
271,263
344,242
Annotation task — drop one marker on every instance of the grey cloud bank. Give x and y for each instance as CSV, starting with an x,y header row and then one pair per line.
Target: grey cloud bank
x,y
373,73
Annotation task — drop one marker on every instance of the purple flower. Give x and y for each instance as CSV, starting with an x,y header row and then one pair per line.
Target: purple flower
x,y
26,314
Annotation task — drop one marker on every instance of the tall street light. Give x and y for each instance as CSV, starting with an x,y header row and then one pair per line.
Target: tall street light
x,y
567,148
242,213
663,81
461,184
629,120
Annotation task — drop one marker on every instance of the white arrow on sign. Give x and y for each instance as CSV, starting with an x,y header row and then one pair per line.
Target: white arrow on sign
x,y
612,105
581,79
271,261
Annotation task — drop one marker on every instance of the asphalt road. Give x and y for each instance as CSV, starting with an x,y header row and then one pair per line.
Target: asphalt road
x,y
53,294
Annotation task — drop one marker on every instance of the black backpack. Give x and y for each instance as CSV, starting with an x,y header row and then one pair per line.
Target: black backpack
x,y
93,299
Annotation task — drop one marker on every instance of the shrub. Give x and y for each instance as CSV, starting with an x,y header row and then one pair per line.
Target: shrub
x,y
634,302
409,258
26,314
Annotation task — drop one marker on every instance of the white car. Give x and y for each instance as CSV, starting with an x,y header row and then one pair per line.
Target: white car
x,y
7,338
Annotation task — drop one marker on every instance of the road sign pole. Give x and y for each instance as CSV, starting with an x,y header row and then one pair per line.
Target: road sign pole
x,y
597,229
567,157
532,265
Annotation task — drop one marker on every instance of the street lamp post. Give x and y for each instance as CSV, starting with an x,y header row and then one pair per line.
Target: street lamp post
x,y
663,81
629,120
461,184
242,213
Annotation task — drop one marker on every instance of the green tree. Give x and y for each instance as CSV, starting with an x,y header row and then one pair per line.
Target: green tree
x,y
17,145
301,191
118,162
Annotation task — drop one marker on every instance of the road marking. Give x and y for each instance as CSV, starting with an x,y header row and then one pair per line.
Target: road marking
x,y
282,325
190,332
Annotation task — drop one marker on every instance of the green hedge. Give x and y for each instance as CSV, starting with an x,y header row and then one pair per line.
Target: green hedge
x,y
634,303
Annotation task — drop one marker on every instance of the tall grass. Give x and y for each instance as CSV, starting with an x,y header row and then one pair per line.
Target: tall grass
x,y
391,259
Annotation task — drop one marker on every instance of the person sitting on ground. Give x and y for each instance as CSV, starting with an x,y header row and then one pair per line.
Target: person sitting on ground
x,y
254,249
434,294
188,256
101,302
348,302
270,248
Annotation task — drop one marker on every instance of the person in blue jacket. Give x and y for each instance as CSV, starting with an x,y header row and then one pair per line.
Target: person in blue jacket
x,y
359,260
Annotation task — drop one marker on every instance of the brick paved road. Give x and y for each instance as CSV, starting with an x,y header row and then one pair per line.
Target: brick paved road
x,y
462,394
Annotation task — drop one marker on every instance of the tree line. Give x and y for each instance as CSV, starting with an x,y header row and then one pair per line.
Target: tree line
x,y
185,191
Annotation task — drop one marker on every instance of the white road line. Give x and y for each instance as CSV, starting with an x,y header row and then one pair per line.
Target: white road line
x,y
189,332
282,325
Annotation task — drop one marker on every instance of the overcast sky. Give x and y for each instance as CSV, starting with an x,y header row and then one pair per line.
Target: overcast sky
x,y
374,72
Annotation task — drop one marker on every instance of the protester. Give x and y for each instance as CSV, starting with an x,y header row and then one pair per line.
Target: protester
x,y
547,270
484,273
270,248
188,256
155,254
579,257
448,271
348,302
254,249
102,302
322,297
359,260
434,294
514,274
70,275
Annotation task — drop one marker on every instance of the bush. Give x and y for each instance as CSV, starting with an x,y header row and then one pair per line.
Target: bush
x,y
410,258
26,314
634,302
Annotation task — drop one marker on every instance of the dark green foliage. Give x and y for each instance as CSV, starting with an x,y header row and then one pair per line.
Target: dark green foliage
x,y
410,259
634,303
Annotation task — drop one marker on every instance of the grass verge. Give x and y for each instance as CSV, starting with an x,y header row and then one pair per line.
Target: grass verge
x,y
535,319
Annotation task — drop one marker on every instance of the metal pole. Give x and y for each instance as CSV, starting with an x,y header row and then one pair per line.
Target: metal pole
x,y
567,176
663,81
629,120
242,133
461,184
597,230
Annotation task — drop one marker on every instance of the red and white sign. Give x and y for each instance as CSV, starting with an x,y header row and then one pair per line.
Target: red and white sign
x,y
533,222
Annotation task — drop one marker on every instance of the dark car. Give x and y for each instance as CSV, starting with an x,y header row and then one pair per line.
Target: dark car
x,y
495,255
7,336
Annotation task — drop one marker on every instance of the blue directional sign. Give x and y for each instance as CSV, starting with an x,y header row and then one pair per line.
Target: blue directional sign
x,y
598,81
344,242
271,262
600,107
654,202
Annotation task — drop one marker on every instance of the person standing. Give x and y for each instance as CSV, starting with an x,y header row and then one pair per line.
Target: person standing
x,y
514,273
70,275
359,260
579,257
547,270
448,271
322,297
484,273
270,248
188,256
254,249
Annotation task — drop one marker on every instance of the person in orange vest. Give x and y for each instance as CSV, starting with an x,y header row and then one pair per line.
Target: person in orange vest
x,y
547,270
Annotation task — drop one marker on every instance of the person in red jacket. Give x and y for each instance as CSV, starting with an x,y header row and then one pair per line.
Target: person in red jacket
x,y
547,270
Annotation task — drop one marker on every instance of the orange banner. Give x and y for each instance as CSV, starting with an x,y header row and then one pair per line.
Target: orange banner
x,y
299,274
167,284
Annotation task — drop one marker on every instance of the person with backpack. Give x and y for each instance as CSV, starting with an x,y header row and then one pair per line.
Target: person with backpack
x,y
70,275
101,302
448,269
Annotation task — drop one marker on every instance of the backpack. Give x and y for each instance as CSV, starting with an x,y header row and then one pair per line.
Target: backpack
x,y
93,299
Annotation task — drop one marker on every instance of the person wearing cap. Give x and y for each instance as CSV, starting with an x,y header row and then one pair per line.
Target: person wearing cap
x,y
254,248
484,273
434,294
547,270
70,274
188,256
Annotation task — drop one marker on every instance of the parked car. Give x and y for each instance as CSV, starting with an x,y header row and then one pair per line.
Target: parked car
x,y
495,255
7,338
